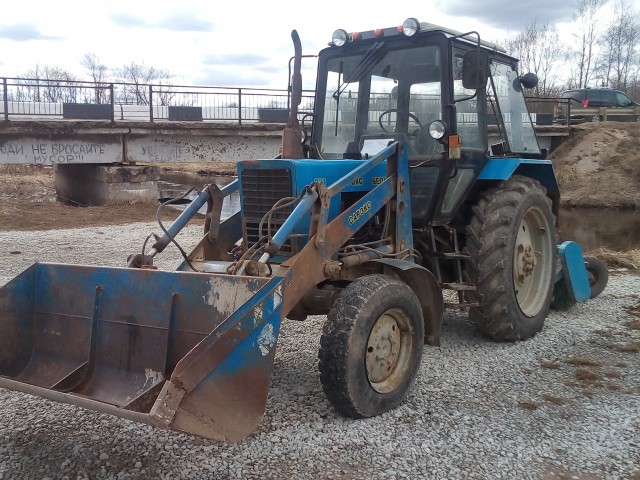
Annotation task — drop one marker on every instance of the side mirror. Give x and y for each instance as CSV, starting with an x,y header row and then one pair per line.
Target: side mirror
x,y
529,80
475,69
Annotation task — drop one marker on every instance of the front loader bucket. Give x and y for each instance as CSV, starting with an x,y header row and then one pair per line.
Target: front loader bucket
x,y
187,351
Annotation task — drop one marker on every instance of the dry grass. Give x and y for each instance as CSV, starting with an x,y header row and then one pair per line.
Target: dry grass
x,y
612,374
528,405
629,259
583,362
629,347
587,376
621,365
635,310
553,399
201,168
608,332
550,365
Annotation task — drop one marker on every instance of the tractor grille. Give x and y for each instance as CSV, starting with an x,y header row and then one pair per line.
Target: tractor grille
x,y
261,189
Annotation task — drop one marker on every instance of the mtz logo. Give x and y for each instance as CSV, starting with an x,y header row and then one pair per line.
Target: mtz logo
x,y
360,212
357,182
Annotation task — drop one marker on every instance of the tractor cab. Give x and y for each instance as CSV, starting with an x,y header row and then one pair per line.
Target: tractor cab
x,y
451,98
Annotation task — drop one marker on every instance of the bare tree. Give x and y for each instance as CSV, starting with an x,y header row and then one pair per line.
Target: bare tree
x,y
47,84
540,51
587,19
98,73
138,76
620,43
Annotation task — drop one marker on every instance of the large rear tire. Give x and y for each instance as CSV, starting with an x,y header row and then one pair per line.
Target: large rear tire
x,y
371,346
512,244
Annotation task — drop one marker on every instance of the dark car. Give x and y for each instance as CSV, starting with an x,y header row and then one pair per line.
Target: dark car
x,y
583,101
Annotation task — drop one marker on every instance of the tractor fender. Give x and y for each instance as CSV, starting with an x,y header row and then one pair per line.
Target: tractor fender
x,y
426,288
540,170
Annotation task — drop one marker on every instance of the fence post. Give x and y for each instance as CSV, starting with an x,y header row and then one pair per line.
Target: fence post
x,y
151,103
239,106
113,118
5,99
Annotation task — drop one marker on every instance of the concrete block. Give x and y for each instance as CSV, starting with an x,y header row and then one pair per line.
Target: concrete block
x,y
181,114
87,111
105,184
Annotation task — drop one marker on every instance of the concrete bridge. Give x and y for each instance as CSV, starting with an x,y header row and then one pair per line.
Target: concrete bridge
x,y
98,162
93,159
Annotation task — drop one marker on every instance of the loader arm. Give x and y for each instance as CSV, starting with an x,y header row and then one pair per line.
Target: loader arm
x,y
313,264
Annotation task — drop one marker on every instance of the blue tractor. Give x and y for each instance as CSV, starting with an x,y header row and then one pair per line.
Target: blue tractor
x,y
418,172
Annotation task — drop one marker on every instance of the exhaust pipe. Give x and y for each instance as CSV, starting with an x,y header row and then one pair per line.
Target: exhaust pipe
x,y
292,134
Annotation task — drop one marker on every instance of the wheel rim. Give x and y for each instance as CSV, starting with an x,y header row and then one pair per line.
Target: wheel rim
x,y
389,350
532,262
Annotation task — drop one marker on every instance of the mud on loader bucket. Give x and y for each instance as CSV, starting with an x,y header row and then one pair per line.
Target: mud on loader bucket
x,y
186,351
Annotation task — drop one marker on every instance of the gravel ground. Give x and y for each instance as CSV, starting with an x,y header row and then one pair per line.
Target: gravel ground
x,y
565,404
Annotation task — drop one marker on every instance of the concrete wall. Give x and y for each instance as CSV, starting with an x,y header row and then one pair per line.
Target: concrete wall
x,y
153,147
47,150
103,184
82,142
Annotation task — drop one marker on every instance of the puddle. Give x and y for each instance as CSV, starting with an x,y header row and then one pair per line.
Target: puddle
x,y
174,185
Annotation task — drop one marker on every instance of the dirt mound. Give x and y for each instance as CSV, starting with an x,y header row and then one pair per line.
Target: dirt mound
x,y
599,166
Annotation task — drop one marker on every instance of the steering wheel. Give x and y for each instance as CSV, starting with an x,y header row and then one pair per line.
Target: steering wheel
x,y
411,135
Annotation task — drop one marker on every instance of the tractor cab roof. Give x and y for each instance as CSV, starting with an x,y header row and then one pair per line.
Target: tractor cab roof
x,y
410,27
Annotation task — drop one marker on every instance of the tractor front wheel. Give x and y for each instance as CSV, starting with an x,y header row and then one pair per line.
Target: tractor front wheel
x,y
512,245
371,346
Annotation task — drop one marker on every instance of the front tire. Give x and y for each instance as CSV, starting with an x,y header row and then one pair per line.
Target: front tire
x,y
512,242
371,346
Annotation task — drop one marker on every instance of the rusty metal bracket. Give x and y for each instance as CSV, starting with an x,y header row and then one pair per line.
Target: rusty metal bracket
x,y
320,214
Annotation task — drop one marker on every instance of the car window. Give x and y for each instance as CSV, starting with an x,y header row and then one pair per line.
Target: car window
x,y
602,97
622,100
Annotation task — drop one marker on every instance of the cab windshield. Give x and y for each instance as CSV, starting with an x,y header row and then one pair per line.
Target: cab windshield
x,y
507,100
381,95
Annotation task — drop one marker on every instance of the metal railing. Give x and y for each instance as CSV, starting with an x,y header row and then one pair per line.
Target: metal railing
x,y
58,99
564,111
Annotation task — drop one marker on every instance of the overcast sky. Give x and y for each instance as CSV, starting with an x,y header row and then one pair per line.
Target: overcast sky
x,y
230,43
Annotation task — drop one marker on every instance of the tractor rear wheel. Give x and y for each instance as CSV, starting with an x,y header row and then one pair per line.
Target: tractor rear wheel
x,y
371,346
512,245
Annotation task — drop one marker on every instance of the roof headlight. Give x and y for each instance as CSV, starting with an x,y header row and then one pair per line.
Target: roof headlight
x,y
410,27
339,37
437,130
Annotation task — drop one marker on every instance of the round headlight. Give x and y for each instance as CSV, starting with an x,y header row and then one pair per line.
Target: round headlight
x,y
410,26
339,37
437,129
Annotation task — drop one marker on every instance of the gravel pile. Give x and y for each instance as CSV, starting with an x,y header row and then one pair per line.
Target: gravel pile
x,y
564,404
